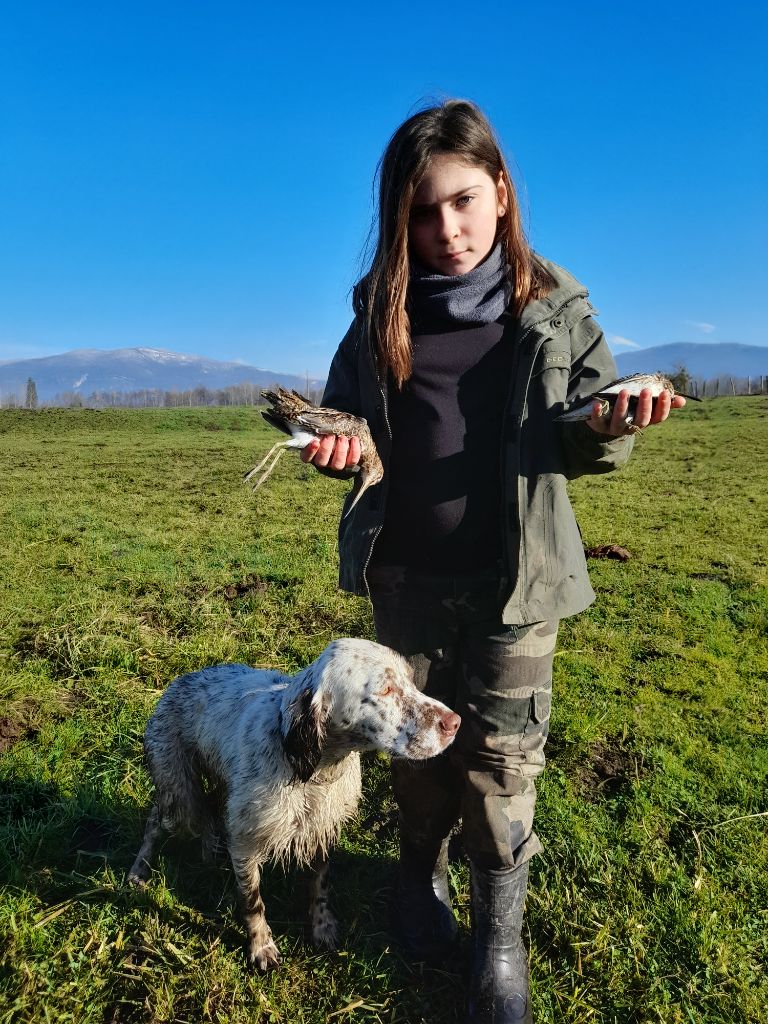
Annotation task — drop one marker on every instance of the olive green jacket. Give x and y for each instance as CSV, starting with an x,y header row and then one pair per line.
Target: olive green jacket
x,y
561,357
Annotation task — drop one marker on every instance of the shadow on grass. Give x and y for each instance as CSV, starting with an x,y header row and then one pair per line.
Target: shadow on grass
x,y
60,848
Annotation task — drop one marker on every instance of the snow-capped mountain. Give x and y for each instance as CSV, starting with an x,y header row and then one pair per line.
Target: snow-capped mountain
x,y
85,371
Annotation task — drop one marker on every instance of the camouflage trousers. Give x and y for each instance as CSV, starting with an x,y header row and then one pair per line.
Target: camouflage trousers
x,y
499,679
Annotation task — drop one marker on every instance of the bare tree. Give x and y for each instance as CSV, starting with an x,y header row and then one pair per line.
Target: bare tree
x,y
30,401
681,379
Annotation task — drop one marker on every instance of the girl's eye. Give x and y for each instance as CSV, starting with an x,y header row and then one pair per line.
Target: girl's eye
x,y
420,214
464,201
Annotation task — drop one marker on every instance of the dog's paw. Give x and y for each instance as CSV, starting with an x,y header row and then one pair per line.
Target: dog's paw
x,y
264,957
139,874
325,929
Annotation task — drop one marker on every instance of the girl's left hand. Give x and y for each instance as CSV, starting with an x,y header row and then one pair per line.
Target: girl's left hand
x,y
647,414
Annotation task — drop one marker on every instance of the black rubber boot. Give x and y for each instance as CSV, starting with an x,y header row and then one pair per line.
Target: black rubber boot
x,y
499,992
425,921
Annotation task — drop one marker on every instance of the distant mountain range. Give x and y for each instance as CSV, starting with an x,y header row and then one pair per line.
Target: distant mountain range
x,y
84,371
705,361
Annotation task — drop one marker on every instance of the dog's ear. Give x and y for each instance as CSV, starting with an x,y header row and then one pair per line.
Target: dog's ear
x,y
305,720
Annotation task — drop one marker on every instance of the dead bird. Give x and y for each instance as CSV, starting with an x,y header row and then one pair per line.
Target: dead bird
x,y
656,383
295,415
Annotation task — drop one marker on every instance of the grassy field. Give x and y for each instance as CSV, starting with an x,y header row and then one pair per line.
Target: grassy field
x,y
131,553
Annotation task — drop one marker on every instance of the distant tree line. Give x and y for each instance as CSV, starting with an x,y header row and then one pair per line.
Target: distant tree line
x,y
250,394
148,398
717,387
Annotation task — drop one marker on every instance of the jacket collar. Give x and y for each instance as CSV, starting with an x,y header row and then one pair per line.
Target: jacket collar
x,y
560,304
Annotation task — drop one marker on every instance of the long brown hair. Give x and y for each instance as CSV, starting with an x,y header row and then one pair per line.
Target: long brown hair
x,y
460,128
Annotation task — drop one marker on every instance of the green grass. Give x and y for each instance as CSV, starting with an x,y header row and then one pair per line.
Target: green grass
x,y
132,553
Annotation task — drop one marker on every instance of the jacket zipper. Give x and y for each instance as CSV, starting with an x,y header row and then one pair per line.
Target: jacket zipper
x,y
515,439
503,451
383,393
368,560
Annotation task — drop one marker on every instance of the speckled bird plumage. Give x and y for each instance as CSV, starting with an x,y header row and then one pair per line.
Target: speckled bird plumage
x,y
295,415
656,383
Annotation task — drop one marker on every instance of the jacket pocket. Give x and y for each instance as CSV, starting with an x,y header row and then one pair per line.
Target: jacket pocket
x,y
536,731
551,373
555,352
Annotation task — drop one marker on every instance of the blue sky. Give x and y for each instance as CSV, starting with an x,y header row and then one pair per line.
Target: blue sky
x,y
198,176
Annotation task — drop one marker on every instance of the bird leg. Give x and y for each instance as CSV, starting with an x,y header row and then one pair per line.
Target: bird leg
x,y
268,471
279,448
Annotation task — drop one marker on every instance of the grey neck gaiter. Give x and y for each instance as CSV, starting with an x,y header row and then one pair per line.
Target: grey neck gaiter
x,y
477,297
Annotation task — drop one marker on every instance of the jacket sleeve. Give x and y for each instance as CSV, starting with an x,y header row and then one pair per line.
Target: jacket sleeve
x,y
342,389
592,367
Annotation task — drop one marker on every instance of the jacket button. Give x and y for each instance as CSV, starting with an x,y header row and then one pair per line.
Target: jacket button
x,y
557,323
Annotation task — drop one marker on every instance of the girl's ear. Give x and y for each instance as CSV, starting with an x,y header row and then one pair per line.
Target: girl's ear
x,y
501,195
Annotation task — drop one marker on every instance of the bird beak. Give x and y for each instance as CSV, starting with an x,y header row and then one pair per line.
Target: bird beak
x,y
365,483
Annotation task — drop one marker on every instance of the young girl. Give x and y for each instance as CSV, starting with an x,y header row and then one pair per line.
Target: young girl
x,y
465,348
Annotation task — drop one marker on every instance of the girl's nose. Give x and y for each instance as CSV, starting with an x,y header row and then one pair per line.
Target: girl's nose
x,y
448,226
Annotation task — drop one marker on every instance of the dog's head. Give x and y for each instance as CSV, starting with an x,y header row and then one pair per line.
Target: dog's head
x,y
359,695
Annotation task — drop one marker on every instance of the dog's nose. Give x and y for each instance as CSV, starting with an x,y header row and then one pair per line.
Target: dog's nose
x,y
449,723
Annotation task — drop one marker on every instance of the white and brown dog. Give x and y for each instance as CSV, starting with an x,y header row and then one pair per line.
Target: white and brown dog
x,y
276,759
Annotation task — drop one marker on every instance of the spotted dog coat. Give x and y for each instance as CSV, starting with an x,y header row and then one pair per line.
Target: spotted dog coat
x,y
277,757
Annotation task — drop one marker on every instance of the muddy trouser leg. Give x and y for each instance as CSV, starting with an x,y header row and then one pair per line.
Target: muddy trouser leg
x,y
411,619
428,793
505,705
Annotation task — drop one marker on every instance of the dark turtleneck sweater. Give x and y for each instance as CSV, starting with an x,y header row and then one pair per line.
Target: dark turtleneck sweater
x,y
444,494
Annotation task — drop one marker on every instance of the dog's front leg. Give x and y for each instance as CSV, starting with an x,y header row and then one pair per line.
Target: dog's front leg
x,y
322,922
260,947
139,873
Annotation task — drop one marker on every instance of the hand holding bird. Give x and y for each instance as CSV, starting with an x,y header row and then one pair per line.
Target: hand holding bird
x,y
345,439
333,451
628,405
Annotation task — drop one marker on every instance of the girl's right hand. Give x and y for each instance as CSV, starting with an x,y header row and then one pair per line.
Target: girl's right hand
x,y
334,451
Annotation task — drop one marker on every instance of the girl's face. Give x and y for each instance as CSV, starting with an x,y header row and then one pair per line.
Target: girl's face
x,y
454,216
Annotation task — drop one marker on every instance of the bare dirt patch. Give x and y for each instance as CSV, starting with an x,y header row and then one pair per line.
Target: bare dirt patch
x,y
11,731
608,551
611,769
16,727
250,585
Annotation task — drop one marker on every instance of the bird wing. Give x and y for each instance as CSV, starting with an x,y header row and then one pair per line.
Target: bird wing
x,y
275,420
634,384
331,421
